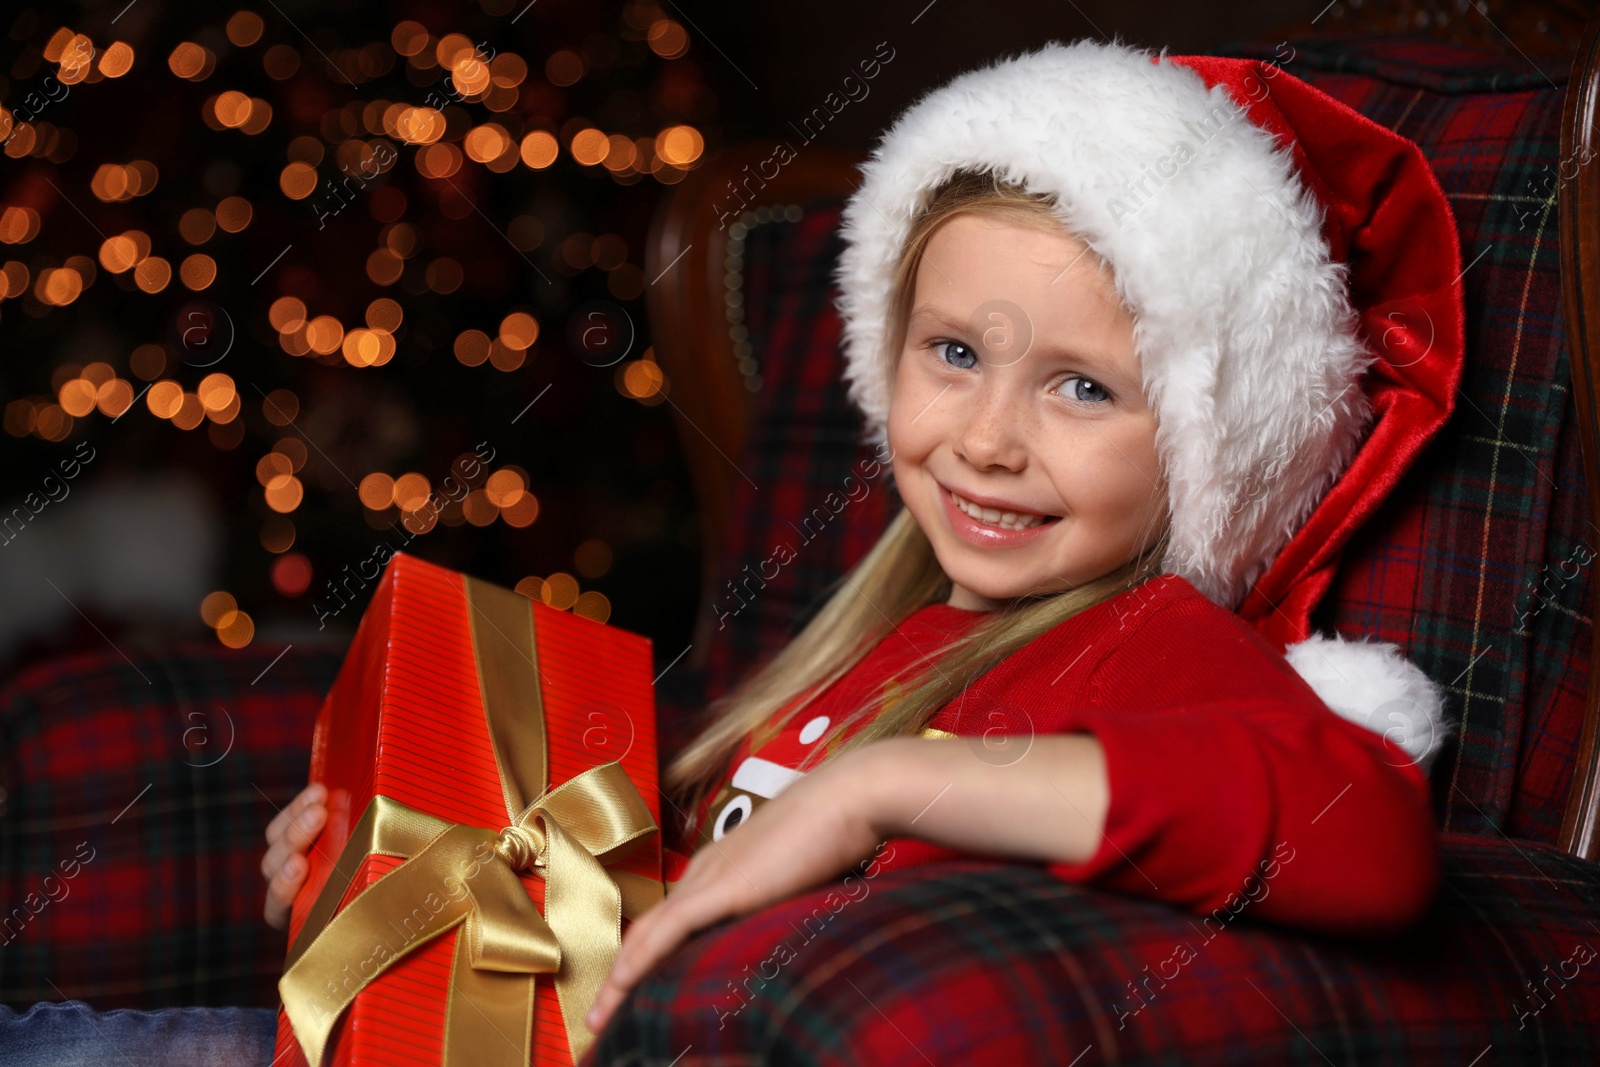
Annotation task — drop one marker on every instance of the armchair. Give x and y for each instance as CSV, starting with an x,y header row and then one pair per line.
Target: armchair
x,y
1479,567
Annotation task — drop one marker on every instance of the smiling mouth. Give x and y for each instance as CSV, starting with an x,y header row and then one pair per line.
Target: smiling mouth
x,y
1005,520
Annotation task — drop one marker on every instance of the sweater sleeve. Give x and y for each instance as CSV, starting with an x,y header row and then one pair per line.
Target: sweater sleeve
x,y
1234,787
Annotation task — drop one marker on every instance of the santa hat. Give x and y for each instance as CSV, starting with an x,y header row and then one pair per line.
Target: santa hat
x,y
1294,273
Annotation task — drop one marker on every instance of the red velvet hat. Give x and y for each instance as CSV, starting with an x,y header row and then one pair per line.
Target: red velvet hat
x,y
1389,221
1294,273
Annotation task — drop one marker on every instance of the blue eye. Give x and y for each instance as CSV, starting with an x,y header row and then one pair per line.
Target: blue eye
x,y
966,361
1076,393
1084,391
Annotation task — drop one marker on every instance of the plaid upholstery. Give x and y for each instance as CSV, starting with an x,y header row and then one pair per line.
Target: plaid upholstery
x,y
803,441
128,757
1456,556
980,962
167,910
1494,524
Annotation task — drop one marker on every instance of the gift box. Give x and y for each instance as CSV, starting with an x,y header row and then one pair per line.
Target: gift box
x,y
492,826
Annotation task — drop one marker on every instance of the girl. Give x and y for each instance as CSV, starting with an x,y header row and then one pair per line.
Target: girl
x,y
1113,317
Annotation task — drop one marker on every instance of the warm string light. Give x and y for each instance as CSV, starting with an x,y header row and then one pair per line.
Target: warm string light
x,y
475,78
502,494
444,143
506,351
222,613
560,591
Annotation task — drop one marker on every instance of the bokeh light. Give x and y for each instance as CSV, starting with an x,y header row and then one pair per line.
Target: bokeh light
x,y
472,347
376,491
116,60
291,574
234,214
244,28
680,145
539,149
465,154
519,330
592,605
192,61
560,591
297,180
18,225
198,271
217,606
411,491
563,68
236,629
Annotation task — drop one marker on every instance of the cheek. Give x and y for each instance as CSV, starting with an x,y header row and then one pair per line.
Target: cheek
x,y
1135,476
1133,438
1147,459
907,430
910,452
1111,467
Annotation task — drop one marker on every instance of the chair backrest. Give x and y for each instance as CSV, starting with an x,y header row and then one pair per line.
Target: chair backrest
x,y
1478,567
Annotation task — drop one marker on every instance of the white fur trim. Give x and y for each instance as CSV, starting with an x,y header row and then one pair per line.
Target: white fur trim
x,y
1245,333
1374,685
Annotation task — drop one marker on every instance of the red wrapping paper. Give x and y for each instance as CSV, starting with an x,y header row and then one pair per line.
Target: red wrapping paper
x,y
405,719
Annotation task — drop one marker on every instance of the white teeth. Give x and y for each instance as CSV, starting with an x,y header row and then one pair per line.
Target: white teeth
x,y
1008,520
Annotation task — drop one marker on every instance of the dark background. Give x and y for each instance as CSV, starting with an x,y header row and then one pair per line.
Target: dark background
x,y
124,547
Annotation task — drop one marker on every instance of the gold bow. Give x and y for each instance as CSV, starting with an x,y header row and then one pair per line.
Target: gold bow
x,y
456,874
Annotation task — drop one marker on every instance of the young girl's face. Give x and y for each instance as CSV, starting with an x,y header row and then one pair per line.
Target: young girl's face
x,y
1022,441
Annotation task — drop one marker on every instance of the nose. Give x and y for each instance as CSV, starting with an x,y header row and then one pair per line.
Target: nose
x,y
993,437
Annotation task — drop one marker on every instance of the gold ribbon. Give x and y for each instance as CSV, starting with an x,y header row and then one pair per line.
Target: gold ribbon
x,y
455,874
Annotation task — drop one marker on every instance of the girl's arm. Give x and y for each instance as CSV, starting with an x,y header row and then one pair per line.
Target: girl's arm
x,y
1217,807
1047,803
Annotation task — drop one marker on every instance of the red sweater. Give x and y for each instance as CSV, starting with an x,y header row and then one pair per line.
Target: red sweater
x,y
1233,787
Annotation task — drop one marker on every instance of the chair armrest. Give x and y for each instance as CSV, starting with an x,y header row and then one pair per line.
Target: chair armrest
x,y
985,962
135,796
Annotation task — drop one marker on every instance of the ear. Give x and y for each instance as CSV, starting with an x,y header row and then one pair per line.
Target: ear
x,y
1372,684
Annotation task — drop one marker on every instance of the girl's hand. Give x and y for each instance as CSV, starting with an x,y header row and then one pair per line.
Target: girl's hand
x,y
289,834
817,828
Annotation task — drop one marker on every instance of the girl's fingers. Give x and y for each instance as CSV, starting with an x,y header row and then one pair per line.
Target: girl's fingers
x,y
305,828
315,793
650,939
285,816
621,978
638,948
281,891
294,840
604,1004
272,863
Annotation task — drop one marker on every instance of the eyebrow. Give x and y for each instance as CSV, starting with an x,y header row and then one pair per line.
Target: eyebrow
x,y
1088,361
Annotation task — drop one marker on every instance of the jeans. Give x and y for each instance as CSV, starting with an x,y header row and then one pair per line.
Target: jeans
x,y
72,1034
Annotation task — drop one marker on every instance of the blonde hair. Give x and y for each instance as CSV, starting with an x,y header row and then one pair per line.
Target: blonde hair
x,y
897,577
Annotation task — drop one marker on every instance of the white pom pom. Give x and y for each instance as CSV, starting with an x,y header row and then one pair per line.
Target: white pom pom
x,y
1372,684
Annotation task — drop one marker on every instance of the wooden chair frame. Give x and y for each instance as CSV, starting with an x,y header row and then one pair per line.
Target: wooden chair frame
x,y
695,293
1578,202
693,299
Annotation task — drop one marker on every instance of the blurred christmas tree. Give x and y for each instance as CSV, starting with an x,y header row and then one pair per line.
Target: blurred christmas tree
x,y
370,277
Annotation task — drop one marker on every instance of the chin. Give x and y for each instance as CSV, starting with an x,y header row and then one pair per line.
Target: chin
x,y
988,586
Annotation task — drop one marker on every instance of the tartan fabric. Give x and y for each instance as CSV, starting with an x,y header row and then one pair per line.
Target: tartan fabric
x,y
1488,527
127,765
1492,526
1437,66
982,962
803,440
